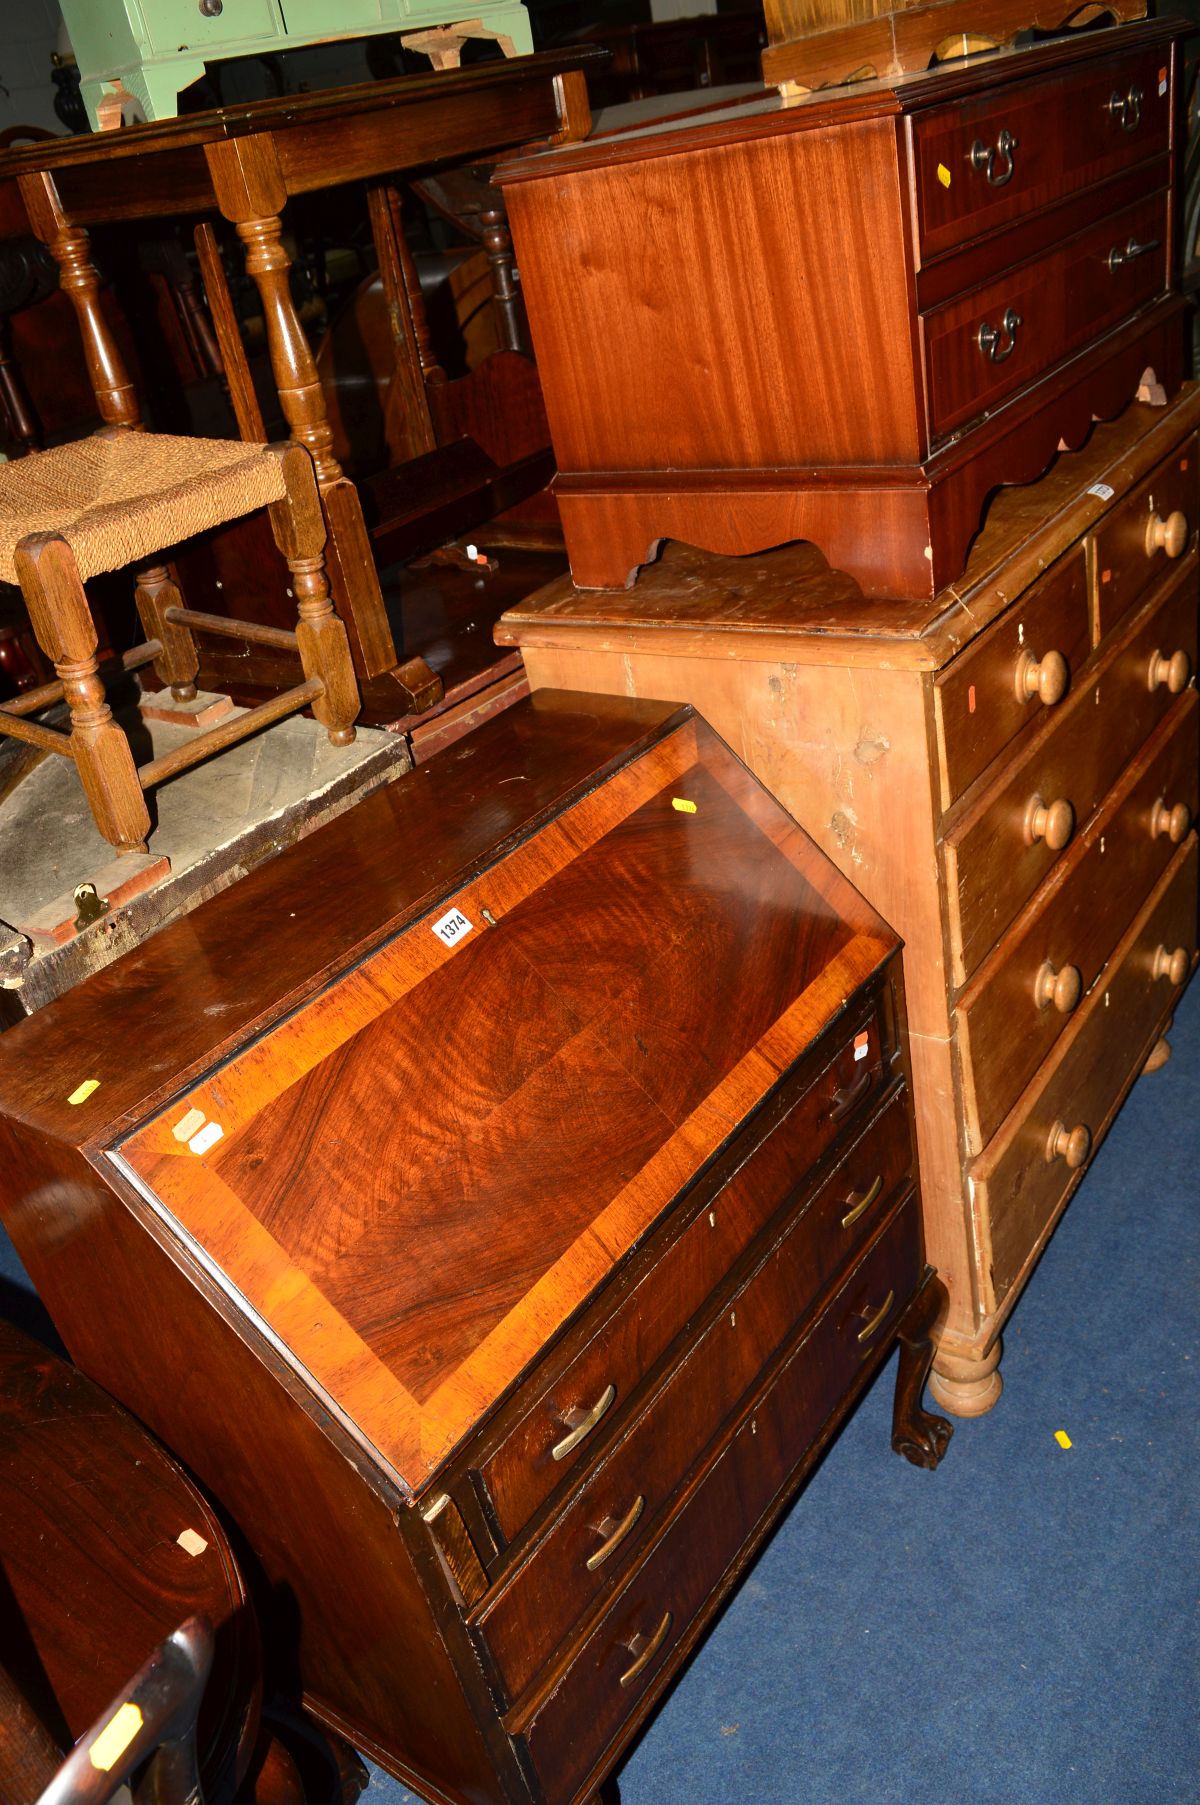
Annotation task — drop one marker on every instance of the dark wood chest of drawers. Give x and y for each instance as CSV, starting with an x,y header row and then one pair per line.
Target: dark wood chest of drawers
x,y
1009,774
497,1200
848,320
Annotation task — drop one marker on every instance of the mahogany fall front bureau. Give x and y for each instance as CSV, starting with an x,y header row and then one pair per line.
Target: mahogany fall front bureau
x,y
848,320
497,1199
1008,774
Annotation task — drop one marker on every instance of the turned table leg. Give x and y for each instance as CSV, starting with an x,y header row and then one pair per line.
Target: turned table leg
x,y
916,1433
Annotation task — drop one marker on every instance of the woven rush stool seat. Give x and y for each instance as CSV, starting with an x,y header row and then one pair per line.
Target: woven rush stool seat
x,y
123,498
120,497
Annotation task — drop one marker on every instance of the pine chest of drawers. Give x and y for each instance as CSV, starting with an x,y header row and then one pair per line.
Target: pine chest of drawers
x,y
497,1200
1010,775
847,321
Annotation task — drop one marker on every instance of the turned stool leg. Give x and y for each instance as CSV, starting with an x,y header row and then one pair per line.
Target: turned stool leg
x,y
299,529
179,661
62,622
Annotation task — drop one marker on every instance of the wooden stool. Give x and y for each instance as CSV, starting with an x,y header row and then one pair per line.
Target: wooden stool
x,y
120,498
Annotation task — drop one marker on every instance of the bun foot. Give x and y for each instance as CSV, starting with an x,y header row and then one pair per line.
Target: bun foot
x,y
918,1435
967,1386
1158,1056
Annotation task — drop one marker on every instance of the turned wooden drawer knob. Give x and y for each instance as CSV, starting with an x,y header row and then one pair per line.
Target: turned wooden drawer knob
x,y
1062,988
1070,1144
1045,678
1173,671
1170,535
1171,963
1174,822
1053,822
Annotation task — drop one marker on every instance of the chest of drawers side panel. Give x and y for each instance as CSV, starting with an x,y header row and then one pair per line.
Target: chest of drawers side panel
x,y
697,361
142,1321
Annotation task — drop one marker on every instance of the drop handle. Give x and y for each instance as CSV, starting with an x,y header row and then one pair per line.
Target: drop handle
x,y
995,163
859,1205
1170,535
1126,108
582,1423
1046,678
1175,670
875,1322
1130,252
999,342
645,1651
1174,822
1070,1144
1052,822
614,1537
845,1099
1171,963
1062,988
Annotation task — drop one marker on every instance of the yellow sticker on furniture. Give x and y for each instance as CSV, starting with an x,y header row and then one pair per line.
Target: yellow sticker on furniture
x,y
943,175
1062,1438
115,1737
190,1542
83,1091
684,807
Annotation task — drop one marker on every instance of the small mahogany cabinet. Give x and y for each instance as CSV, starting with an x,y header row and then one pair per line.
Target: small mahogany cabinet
x,y
848,320
1008,773
497,1199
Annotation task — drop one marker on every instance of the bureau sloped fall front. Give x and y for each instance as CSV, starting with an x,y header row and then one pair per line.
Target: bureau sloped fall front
x,y
497,1199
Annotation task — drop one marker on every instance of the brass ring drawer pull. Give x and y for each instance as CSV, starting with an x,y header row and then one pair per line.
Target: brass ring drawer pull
x,y
1129,252
1126,108
1070,1144
1175,671
618,1535
990,338
859,1204
985,160
1046,678
1062,988
1174,822
648,1653
588,1422
1053,822
866,1332
844,1100
1171,964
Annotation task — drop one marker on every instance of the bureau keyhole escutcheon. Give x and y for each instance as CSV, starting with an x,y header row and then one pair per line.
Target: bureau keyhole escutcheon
x,y
995,162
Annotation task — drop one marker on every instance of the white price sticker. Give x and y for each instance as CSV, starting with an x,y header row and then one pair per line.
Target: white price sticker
x,y
1102,490
453,927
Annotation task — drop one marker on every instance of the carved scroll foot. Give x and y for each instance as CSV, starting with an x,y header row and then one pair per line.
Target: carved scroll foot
x,y
917,1434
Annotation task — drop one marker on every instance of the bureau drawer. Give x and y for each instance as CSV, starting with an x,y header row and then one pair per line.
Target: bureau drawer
x,y
606,1525
531,1460
568,1728
1022,1179
990,342
1023,997
979,163
1154,524
1007,841
1004,682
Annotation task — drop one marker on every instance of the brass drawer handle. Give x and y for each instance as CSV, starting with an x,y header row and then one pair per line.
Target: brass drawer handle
x,y
1174,822
1046,678
648,1653
618,1535
1172,964
1175,672
586,1424
858,1205
1070,1144
869,1328
1129,252
1170,535
989,338
1062,988
1053,822
985,160
845,1100
1126,108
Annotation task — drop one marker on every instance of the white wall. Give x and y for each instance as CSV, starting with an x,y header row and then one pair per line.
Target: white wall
x,y
28,34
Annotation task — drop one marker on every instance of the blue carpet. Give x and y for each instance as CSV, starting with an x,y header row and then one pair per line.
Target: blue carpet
x,y
1020,1626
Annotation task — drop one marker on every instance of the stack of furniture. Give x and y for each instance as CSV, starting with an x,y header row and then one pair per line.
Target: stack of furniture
x,y
509,1188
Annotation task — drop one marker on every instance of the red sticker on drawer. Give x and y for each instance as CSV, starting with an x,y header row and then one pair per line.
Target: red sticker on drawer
x,y
861,1043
